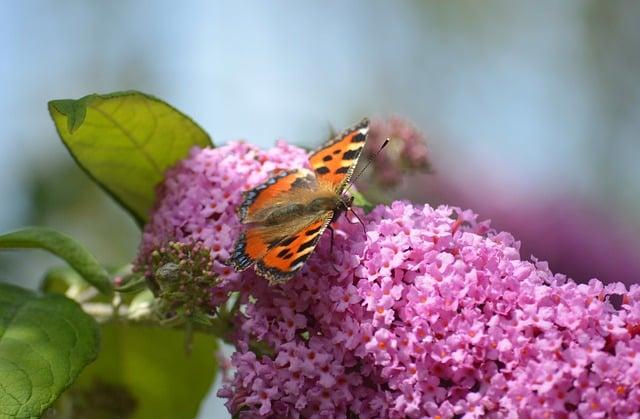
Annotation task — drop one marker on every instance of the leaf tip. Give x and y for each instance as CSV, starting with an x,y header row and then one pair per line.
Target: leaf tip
x,y
74,110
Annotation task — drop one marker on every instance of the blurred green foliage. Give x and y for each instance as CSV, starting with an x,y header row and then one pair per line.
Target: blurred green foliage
x,y
142,373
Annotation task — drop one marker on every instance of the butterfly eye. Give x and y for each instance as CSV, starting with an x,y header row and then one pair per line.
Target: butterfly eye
x,y
349,202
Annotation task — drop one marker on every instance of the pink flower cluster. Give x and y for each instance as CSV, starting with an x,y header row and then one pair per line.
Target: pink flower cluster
x,y
428,313
197,203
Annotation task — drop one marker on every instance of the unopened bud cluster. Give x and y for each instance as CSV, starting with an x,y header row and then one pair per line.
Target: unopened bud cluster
x,y
182,278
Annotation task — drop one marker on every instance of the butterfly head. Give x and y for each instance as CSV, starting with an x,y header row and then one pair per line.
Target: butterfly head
x,y
346,201
346,205
343,204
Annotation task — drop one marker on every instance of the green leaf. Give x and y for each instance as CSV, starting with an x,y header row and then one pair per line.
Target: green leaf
x,y
45,341
147,374
360,201
132,283
60,279
125,141
75,111
63,246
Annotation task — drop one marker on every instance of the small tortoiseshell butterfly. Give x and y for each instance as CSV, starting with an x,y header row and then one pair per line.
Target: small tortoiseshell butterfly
x,y
287,214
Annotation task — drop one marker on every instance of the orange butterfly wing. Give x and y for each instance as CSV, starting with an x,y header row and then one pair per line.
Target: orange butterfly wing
x,y
335,161
249,247
285,259
280,251
278,259
258,241
264,196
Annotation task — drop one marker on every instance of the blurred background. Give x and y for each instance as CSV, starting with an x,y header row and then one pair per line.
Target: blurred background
x,y
530,110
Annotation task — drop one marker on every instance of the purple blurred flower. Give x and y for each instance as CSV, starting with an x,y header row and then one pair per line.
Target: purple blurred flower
x,y
580,238
432,313
407,150
576,237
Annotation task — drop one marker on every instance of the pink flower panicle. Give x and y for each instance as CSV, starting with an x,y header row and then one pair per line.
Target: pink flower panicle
x,y
197,203
430,313
406,152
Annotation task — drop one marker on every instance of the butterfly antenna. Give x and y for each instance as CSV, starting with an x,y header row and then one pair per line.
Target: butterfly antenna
x,y
369,161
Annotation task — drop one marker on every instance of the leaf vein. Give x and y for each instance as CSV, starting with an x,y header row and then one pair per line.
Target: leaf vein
x,y
131,138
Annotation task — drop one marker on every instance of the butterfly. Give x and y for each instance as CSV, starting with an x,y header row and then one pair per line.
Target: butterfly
x,y
286,215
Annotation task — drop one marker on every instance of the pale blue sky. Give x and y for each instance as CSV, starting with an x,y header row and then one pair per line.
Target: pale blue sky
x,y
530,97
511,94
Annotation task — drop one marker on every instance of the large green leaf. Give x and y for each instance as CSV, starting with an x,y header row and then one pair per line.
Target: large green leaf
x,y
45,341
125,141
63,246
143,373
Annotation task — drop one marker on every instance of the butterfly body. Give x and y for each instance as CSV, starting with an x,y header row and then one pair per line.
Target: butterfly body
x,y
286,215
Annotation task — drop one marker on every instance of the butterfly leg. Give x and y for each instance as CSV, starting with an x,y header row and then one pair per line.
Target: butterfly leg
x,y
331,250
364,230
